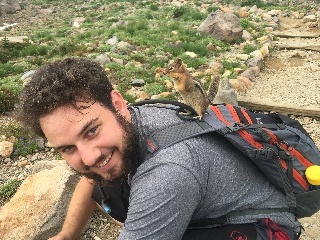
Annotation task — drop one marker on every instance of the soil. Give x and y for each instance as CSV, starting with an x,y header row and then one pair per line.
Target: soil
x,y
289,76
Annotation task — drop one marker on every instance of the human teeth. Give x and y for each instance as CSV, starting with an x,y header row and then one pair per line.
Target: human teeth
x,y
105,161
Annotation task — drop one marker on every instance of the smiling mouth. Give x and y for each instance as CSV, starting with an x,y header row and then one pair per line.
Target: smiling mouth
x,y
106,160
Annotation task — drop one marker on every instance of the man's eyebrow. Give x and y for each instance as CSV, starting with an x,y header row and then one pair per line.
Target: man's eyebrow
x,y
84,128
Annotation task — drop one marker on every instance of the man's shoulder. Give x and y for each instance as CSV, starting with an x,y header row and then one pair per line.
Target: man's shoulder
x,y
153,116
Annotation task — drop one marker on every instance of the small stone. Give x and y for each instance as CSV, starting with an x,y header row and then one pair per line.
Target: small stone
x,y
138,82
23,163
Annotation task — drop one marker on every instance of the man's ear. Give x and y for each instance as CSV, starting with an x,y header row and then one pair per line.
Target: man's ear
x,y
119,103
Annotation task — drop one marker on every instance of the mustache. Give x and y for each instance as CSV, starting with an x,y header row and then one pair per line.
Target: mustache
x,y
101,158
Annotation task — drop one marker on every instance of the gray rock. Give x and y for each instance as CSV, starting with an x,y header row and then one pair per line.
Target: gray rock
x,y
27,74
138,82
103,59
222,26
9,6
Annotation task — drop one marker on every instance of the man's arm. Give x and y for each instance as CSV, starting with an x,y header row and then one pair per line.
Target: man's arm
x,y
80,209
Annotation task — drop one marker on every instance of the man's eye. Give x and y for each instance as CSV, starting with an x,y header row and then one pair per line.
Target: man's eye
x,y
68,149
92,132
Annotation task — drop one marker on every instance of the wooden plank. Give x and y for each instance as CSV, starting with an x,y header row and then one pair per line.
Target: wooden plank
x,y
290,35
306,47
280,107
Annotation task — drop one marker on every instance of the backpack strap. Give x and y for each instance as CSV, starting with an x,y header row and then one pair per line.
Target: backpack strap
x,y
170,135
223,220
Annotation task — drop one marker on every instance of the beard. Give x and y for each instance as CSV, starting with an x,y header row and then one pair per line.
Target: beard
x,y
129,155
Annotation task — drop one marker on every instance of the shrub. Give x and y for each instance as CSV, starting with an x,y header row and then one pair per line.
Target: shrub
x,y
25,144
7,190
8,97
247,49
154,88
154,7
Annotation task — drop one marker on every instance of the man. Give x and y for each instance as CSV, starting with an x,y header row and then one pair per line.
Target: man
x,y
191,183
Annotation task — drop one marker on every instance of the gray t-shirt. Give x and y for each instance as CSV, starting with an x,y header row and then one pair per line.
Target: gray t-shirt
x,y
199,178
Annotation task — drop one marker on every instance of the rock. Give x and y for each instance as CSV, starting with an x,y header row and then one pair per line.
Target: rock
x,y
246,82
226,73
103,59
23,163
309,18
312,24
138,82
210,47
9,6
47,165
256,54
246,35
264,50
38,208
237,85
226,94
112,41
221,25
297,15
255,62
242,56
144,95
191,54
78,21
251,73
6,148
216,66
28,74
117,60
242,13
47,11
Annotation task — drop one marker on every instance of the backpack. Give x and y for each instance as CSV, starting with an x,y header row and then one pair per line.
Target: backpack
x,y
277,144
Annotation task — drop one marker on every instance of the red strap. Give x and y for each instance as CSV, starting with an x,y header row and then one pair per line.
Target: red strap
x,y
246,115
218,113
305,162
296,175
233,112
275,230
294,152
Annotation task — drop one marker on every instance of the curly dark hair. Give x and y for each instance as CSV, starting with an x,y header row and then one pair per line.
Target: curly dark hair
x,y
60,83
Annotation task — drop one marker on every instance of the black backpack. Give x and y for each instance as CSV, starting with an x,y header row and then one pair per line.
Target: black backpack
x,y
277,144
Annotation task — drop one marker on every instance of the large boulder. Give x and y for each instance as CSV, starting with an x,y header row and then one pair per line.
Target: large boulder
x,y
9,6
38,208
221,25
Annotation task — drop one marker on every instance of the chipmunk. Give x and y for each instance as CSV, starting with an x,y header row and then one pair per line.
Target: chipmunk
x,y
190,90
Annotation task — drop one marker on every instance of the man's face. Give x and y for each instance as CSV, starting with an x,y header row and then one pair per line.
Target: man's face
x,y
91,140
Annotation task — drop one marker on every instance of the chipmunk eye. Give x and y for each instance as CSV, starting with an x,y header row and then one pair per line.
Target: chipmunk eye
x,y
170,68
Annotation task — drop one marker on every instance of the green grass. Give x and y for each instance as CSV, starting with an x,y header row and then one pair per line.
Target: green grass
x,y
9,189
152,30
155,32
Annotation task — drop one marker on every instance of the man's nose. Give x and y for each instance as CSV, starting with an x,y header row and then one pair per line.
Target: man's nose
x,y
89,154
